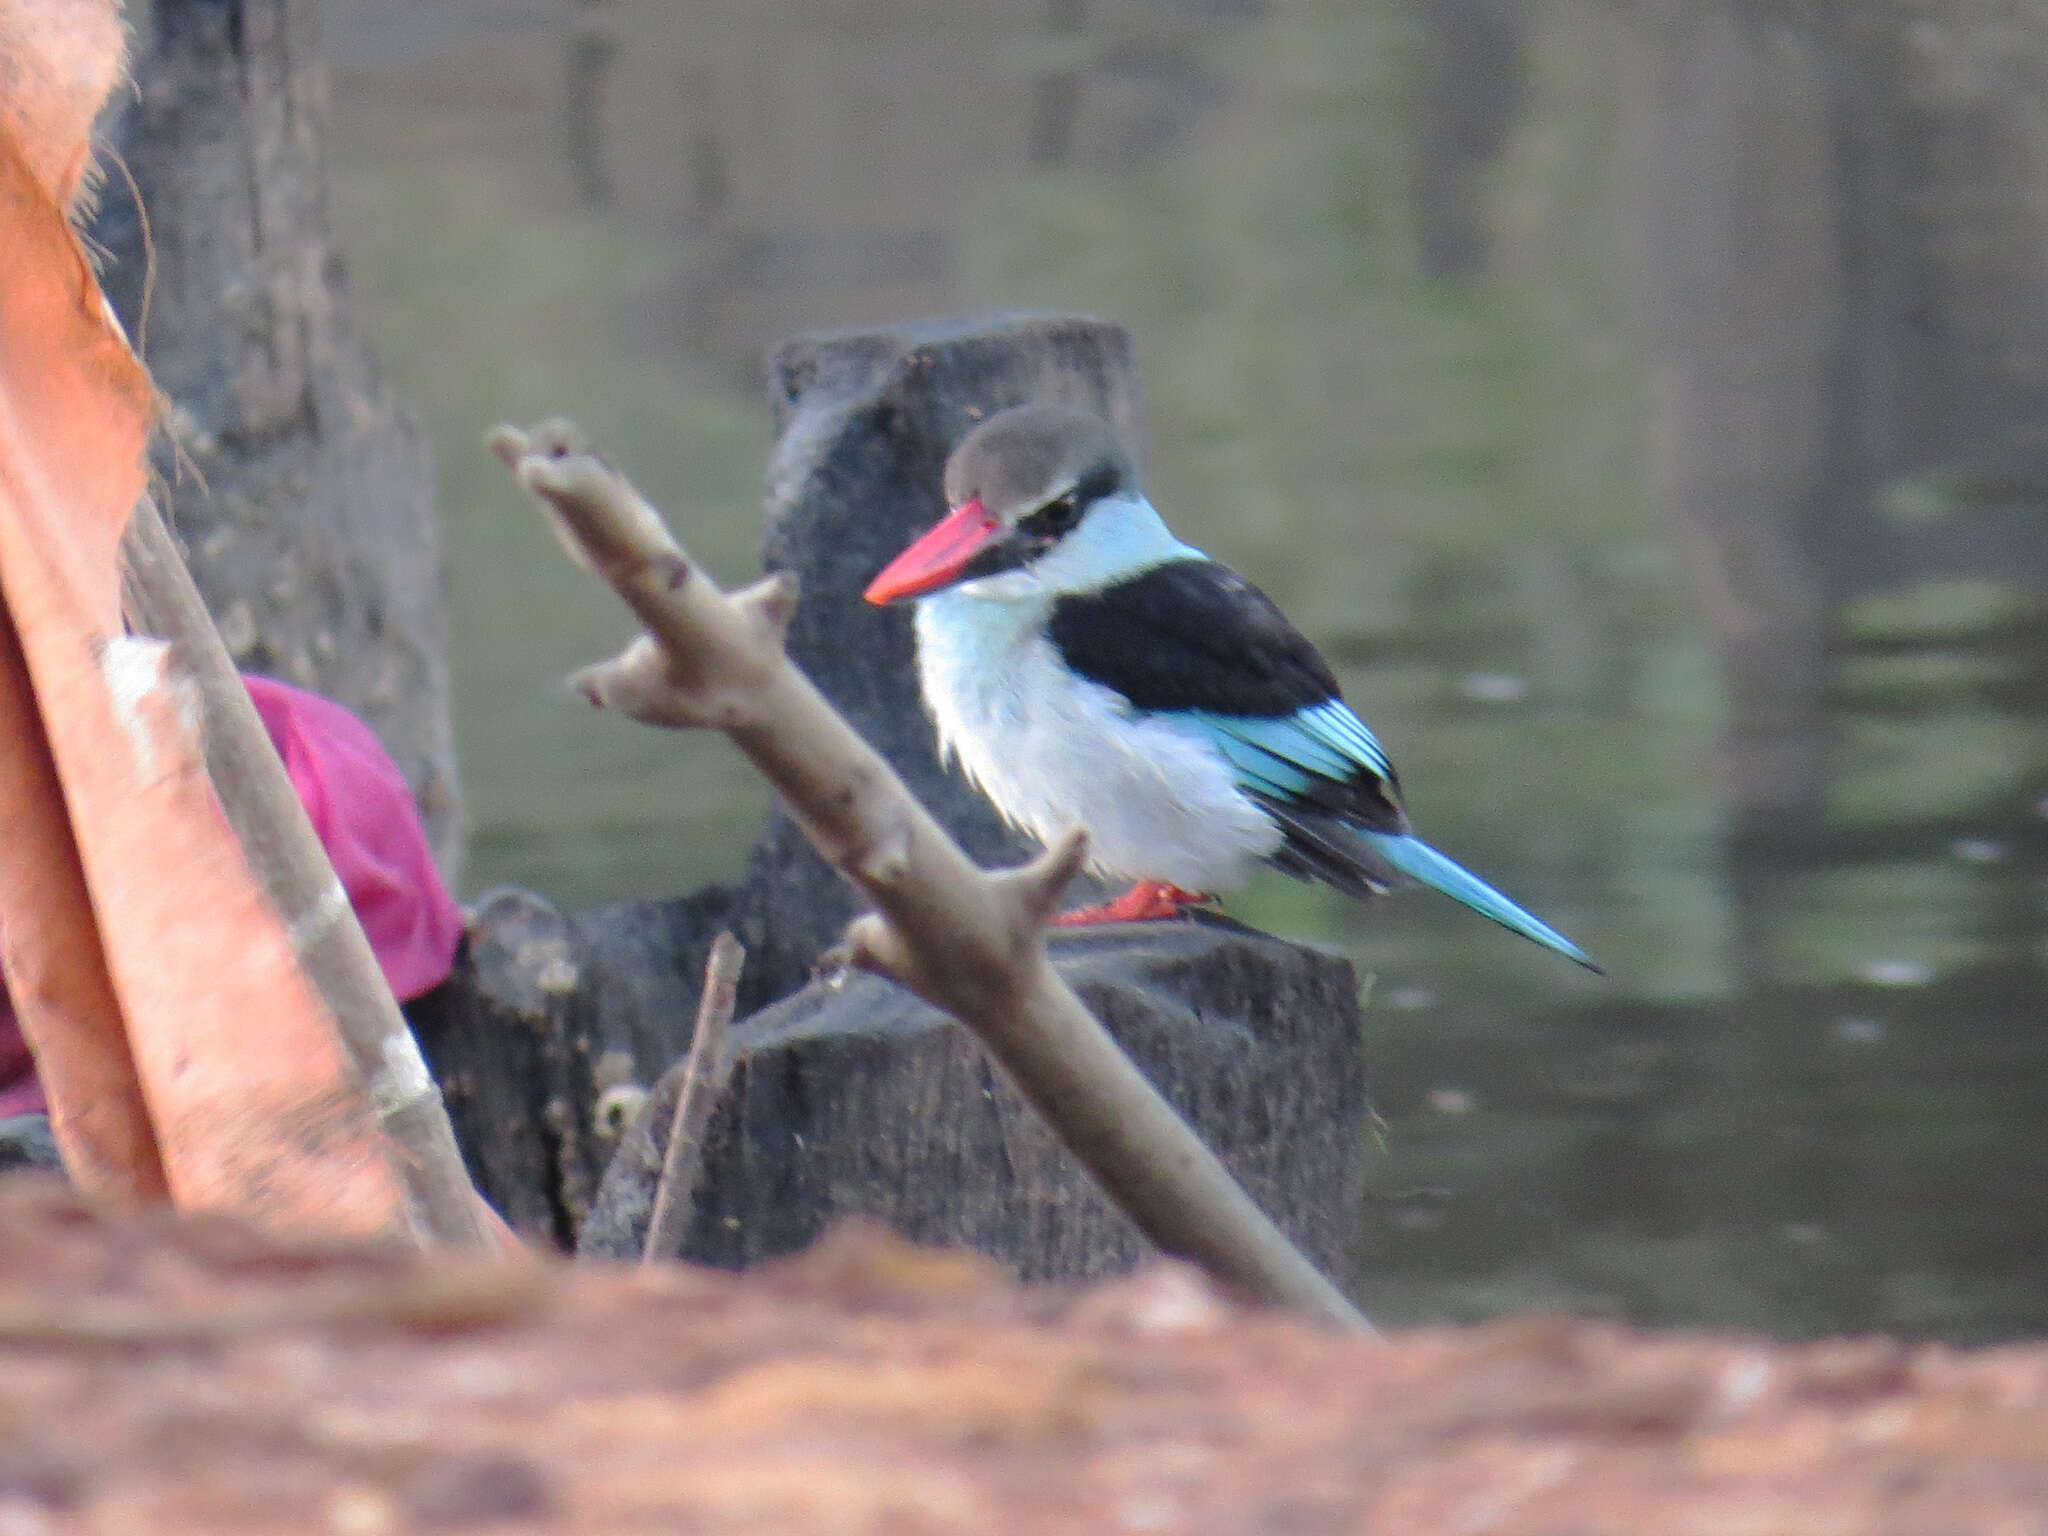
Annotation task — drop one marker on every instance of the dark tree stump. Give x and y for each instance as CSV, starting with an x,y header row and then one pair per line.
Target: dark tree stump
x,y
858,1099
309,523
543,1034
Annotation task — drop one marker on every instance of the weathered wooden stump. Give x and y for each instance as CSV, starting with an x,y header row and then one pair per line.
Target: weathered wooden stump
x,y
545,1030
858,1098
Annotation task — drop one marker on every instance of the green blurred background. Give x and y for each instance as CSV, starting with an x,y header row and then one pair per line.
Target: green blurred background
x,y
1642,404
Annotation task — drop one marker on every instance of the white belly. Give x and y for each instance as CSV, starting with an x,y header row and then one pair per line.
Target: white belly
x,y
1052,751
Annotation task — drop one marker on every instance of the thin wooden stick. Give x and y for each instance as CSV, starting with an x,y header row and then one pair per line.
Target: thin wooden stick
x,y
285,853
706,1073
968,941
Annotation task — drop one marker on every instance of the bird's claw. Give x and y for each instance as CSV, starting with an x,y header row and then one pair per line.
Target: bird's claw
x,y
1147,901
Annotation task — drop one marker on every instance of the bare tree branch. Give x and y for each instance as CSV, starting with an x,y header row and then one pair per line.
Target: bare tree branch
x,y
706,1072
969,942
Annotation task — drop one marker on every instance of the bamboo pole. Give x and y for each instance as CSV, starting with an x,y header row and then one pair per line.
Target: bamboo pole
x,y
968,941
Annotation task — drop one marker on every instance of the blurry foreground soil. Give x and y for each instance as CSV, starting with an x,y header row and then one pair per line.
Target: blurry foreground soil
x,y
160,1376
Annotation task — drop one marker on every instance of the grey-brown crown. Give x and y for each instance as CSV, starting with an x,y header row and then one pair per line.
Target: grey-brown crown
x,y
1021,458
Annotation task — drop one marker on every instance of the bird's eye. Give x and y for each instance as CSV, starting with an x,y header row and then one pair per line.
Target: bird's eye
x,y
1056,517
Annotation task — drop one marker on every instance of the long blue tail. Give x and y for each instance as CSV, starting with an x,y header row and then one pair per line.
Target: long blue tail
x,y
1418,861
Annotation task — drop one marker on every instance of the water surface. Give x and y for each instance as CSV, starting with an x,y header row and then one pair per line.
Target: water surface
x,y
1644,409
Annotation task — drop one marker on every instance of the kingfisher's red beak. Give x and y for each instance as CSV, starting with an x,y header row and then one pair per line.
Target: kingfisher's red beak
x,y
937,559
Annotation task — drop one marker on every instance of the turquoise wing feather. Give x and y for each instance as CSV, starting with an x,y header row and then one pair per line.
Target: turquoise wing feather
x,y
1282,755
1292,762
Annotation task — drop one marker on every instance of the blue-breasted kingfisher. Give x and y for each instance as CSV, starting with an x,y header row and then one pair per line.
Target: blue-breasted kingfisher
x,y
1084,666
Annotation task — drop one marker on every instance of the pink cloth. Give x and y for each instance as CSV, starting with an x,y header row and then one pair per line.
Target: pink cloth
x,y
363,810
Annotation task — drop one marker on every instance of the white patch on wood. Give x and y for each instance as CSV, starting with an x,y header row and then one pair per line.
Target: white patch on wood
x,y
311,925
135,669
403,1081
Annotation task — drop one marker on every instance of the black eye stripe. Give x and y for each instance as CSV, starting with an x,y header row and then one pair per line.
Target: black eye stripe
x,y
1054,518
1097,483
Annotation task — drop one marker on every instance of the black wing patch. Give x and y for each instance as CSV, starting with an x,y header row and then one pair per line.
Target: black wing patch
x,y
1195,635
1191,634
1321,846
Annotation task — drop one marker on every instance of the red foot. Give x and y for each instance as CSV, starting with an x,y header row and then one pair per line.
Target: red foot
x,y
1144,902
